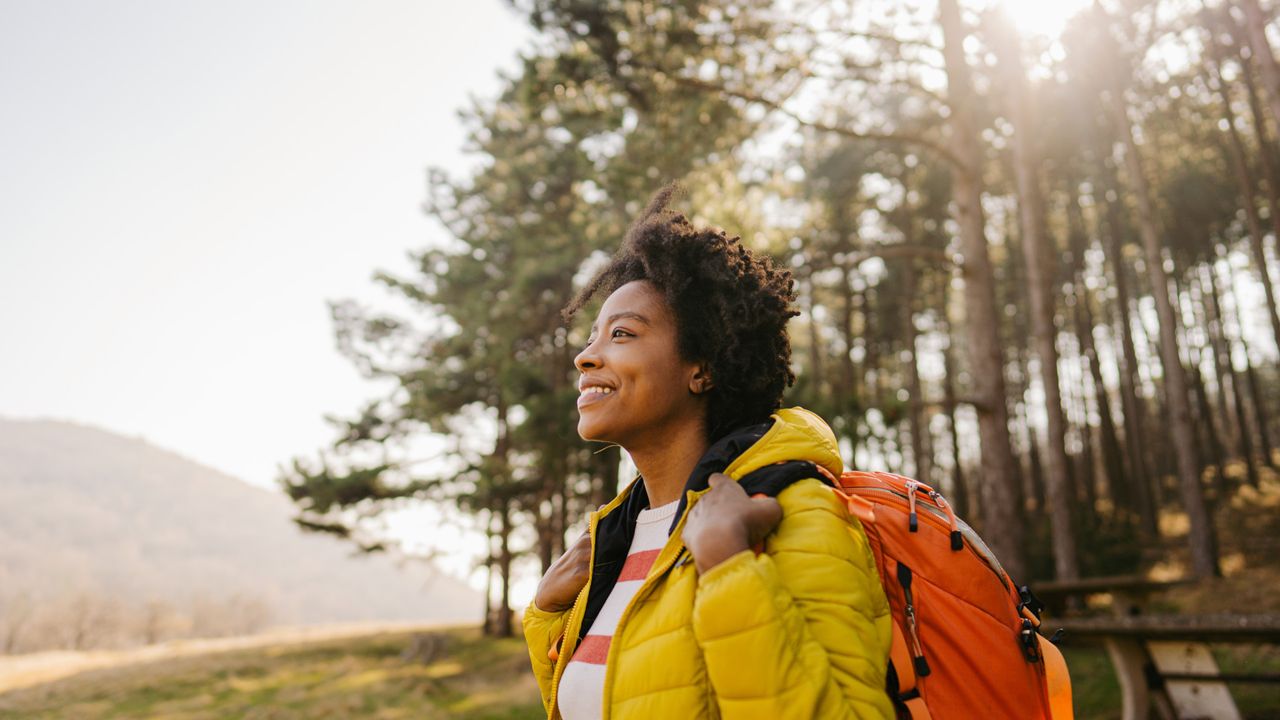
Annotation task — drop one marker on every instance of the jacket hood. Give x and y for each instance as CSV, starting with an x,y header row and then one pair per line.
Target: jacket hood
x,y
795,434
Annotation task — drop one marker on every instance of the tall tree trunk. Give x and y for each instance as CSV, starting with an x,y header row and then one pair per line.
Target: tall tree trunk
x,y
848,382
1245,184
502,452
1201,537
815,343
1213,451
921,447
1222,359
1038,254
1034,487
1255,24
560,505
1112,461
1259,405
487,626
959,490
1001,504
1233,433
1084,486
503,621
1213,447
1266,149
1142,472
1112,456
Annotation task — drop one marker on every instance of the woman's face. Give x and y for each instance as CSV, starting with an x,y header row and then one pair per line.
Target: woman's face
x,y
634,385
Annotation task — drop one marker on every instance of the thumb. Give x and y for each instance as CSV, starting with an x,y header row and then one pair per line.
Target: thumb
x,y
766,513
715,480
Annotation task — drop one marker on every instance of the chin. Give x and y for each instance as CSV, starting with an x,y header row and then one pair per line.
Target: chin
x,y
588,431
594,430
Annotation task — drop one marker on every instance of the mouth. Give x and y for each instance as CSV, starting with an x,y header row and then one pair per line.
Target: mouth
x,y
593,394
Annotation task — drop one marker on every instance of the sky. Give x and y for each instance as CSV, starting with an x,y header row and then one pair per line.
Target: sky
x,y
184,186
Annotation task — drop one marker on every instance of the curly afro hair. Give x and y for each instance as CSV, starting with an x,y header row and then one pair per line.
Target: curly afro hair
x,y
731,308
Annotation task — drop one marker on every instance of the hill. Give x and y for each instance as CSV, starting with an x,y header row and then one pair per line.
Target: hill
x,y
89,513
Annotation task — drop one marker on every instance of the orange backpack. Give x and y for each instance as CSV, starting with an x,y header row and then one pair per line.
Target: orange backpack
x,y
966,641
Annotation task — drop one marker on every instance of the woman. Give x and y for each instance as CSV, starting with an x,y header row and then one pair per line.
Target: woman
x,y
727,580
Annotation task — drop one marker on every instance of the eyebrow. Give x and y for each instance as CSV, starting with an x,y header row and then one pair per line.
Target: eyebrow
x,y
624,314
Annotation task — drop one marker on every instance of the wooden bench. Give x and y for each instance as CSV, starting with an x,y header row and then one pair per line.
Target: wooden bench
x,y
1164,662
1128,592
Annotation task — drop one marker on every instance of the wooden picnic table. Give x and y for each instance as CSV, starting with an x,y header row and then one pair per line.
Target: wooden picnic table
x,y
1129,592
1164,662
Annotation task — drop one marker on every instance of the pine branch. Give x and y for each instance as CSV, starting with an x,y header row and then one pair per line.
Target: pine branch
x,y
890,137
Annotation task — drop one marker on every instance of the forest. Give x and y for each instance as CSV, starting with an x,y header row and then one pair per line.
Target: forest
x,y
1037,273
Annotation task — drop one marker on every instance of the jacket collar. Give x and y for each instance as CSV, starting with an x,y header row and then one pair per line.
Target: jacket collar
x,y
764,458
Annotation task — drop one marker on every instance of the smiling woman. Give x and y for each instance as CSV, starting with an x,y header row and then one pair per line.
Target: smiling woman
x,y
694,591
626,397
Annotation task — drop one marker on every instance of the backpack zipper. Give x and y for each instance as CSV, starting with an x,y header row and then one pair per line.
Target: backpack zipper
x,y
917,651
975,542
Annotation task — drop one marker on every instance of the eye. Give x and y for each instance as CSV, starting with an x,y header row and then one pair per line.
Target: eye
x,y
616,332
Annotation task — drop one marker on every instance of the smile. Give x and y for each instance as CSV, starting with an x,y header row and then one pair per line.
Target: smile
x,y
593,394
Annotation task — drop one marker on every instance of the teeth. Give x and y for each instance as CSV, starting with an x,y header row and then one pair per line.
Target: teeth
x,y
597,389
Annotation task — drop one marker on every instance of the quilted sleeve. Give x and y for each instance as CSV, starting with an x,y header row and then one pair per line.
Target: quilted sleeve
x,y
802,630
541,631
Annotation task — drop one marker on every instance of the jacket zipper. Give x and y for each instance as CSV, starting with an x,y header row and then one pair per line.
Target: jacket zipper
x,y
573,624
655,573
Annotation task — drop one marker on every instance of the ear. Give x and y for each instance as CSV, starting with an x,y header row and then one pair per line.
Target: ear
x,y
700,381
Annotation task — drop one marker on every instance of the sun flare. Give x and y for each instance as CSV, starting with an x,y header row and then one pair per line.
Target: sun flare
x,y
1042,17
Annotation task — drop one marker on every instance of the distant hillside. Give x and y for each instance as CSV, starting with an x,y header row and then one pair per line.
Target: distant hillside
x,y
83,509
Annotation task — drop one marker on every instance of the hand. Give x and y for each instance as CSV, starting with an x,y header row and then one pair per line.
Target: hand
x,y
566,577
725,522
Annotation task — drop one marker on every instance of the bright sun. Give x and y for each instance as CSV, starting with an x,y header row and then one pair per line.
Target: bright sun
x,y
1043,17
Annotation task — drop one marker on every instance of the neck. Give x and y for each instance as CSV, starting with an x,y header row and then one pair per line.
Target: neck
x,y
665,462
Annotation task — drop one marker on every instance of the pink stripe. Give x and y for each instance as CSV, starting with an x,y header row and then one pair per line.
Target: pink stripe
x,y
637,565
594,649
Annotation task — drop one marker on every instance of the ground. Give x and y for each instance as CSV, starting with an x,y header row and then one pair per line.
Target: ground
x,y
464,677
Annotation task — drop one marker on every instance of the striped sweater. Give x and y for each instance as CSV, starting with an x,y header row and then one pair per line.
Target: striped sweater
x,y
582,685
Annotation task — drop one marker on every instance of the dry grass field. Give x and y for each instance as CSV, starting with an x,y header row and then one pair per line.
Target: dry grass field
x,y
462,676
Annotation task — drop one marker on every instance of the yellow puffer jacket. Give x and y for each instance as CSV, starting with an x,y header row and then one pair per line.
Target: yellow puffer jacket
x,y
800,631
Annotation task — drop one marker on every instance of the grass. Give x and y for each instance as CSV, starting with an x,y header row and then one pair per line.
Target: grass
x,y
472,678
1096,691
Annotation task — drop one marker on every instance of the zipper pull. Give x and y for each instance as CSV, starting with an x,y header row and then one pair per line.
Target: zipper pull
x,y
957,541
917,651
913,520
684,557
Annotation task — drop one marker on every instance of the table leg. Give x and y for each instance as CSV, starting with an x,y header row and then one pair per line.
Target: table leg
x,y
1130,659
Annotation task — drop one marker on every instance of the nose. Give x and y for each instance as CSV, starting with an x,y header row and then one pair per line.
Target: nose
x,y
588,359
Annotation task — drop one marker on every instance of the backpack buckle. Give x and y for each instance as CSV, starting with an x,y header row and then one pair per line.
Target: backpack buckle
x,y
1027,637
1029,601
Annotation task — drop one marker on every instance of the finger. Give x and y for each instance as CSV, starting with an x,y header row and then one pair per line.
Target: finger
x,y
722,485
766,513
